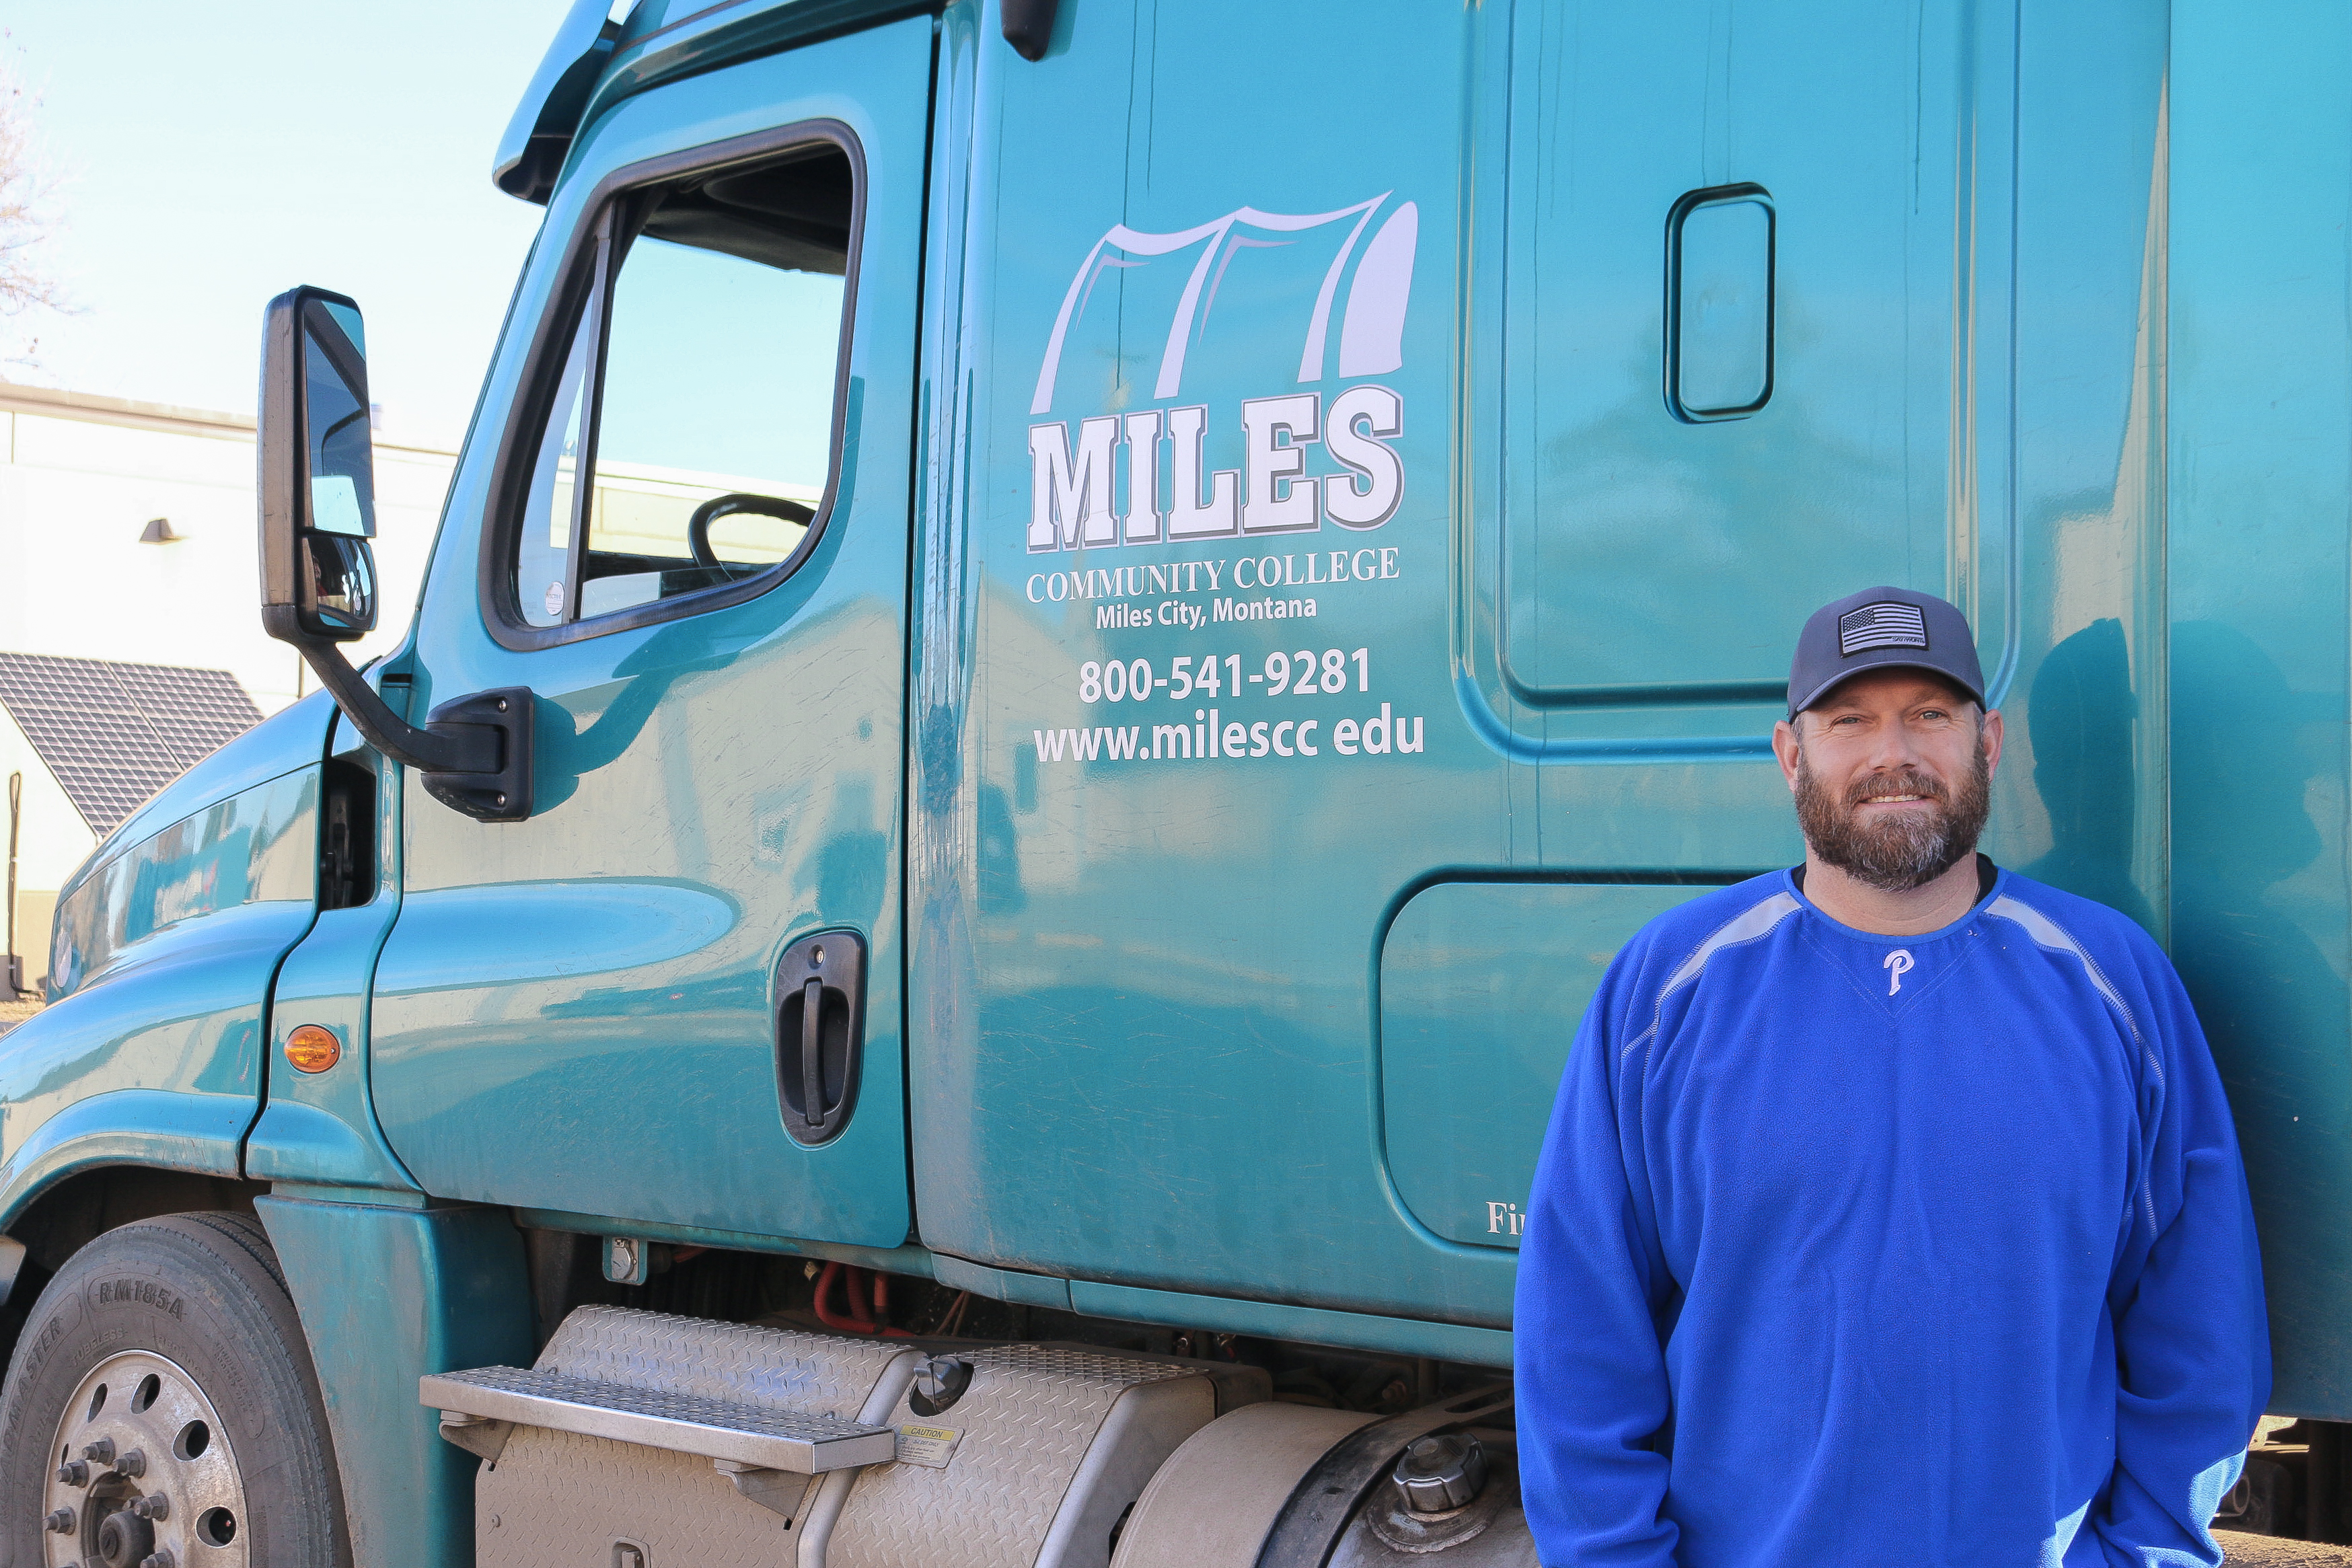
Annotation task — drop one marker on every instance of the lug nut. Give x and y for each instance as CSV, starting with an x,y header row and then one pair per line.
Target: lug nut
x,y
134,1463
162,1559
102,1451
155,1505
62,1522
74,1473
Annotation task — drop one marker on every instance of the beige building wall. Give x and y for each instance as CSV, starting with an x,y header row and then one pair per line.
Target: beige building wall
x,y
81,479
51,840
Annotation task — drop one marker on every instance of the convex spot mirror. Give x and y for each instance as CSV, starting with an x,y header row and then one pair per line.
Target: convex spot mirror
x,y
318,471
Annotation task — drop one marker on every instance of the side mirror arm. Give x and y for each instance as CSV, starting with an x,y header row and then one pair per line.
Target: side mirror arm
x,y
474,754
372,716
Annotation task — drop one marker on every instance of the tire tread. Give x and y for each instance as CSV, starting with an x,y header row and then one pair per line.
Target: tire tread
x,y
226,1259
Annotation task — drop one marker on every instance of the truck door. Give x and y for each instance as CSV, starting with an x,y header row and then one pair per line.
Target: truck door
x,y
681,521
1398,491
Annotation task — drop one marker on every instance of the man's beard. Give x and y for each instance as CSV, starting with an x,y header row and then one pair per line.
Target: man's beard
x,y
1902,849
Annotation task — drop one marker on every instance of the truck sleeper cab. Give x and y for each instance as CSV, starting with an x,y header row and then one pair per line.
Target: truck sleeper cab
x,y
1066,638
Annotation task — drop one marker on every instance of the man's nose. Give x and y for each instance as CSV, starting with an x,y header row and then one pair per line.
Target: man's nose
x,y
1891,749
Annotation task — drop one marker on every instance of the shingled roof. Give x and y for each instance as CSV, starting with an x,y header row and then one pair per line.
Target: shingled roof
x,y
113,734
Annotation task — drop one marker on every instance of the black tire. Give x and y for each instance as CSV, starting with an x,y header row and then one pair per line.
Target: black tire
x,y
203,1292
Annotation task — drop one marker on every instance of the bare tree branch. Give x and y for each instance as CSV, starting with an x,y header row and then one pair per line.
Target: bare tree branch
x,y
27,216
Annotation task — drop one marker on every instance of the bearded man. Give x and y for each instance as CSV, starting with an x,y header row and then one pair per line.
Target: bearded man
x,y
1891,1213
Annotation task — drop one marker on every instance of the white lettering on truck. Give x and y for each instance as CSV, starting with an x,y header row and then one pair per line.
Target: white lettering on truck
x,y
1073,489
1071,492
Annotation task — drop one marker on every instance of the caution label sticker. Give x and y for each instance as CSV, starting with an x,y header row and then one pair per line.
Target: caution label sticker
x,y
931,1447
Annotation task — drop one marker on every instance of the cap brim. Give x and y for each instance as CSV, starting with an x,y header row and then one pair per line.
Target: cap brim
x,y
1895,662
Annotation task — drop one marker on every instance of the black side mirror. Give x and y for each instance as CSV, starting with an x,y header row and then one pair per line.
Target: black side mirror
x,y
317,573
318,471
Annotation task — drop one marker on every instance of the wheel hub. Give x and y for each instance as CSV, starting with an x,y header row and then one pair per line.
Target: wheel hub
x,y
142,1473
124,1540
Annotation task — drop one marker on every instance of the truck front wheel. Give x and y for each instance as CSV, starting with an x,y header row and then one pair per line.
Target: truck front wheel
x,y
162,1410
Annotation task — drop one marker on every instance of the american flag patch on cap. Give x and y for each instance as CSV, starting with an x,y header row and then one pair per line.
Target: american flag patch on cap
x,y
1889,625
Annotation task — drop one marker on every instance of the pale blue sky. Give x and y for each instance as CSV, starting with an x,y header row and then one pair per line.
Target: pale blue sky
x,y
214,155
720,364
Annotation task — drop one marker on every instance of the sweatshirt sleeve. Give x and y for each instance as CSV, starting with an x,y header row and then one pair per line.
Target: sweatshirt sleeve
x,y
1591,1374
2192,1343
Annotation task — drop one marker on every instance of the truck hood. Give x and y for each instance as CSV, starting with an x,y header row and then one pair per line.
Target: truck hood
x,y
293,737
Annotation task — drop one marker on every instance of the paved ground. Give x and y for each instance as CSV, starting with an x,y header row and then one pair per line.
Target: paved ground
x,y
2270,1551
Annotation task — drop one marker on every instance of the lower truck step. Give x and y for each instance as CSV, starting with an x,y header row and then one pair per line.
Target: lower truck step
x,y
643,1440
800,1442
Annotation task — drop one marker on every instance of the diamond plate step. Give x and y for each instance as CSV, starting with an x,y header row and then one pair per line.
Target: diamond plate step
x,y
805,1442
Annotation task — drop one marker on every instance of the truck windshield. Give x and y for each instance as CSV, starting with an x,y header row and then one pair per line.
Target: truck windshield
x,y
702,401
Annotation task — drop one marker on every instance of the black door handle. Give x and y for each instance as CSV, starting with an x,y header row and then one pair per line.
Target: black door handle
x,y
812,1105
820,1033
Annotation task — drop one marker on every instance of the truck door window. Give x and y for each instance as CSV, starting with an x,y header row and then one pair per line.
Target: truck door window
x,y
691,443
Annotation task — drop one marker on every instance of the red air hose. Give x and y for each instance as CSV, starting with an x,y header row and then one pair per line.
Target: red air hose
x,y
854,1296
858,1322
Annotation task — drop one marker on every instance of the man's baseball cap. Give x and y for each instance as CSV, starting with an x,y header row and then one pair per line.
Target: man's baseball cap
x,y
1878,629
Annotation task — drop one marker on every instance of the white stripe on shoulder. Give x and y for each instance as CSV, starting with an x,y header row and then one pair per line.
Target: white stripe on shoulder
x,y
1750,924
1757,920
2048,933
1744,927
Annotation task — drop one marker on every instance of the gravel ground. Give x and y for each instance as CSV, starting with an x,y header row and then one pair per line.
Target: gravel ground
x,y
2271,1551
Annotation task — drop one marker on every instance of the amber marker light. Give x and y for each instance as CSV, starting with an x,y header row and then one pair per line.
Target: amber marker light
x,y
314,1048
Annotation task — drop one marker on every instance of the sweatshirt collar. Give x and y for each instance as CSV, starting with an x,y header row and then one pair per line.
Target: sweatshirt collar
x,y
1989,878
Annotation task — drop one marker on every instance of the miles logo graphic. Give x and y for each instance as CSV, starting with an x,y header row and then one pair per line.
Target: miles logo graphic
x,y
1155,458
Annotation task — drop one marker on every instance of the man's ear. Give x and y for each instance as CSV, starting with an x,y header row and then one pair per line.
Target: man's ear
x,y
1784,747
1991,742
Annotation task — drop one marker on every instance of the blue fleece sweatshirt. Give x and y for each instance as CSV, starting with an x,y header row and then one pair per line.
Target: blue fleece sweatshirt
x,y
1905,1252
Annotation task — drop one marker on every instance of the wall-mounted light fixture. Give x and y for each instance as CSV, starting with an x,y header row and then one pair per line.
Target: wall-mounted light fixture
x,y
159,531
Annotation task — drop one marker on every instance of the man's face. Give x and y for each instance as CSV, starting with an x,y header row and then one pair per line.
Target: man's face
x,y
1892,773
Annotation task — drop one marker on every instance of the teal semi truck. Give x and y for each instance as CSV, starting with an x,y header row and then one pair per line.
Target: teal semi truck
x,y
1065,638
